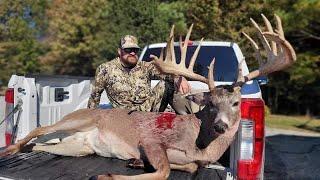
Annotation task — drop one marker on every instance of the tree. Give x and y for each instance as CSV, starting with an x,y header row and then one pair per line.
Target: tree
x,y
301,86
225,20
149,20
83,34
20,29
77,36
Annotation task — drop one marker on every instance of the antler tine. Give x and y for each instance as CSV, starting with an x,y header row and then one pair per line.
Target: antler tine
x,y
184,48
279,29
161,55
169,65
211,76
172,31
194,56
261,37
180,43
255,47
240,74
287,53
275,61
270,29
170,55
240,80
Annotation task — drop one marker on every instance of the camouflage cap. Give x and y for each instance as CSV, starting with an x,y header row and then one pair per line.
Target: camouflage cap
x,y
129,41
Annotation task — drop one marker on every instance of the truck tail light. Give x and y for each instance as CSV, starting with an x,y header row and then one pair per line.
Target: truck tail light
x,y
246,139
9,121
252,139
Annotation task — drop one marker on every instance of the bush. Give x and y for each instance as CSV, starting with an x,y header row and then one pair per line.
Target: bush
x,y
267,111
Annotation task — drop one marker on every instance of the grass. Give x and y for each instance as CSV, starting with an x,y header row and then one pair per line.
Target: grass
x,y
298,123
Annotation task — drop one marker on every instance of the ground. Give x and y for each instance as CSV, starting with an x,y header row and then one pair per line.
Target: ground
x,y
296,123
292,155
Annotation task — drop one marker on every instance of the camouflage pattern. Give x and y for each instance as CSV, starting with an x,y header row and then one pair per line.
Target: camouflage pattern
x,y
128,89
129,41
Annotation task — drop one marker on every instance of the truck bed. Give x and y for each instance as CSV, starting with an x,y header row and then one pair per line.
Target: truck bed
x,y
46,166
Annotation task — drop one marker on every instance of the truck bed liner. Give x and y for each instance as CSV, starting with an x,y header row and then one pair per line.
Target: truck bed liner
x,y
46,166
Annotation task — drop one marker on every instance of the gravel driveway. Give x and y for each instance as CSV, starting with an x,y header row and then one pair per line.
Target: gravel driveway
x,y
292,155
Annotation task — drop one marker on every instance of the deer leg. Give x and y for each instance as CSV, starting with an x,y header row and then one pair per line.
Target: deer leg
x,y
67,125
191,167
157,156
74,145
138,164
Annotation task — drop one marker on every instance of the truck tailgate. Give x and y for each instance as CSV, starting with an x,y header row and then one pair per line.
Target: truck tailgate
x,y
45,166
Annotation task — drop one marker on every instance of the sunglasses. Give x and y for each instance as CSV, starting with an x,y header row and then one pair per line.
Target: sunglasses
x,y
129,50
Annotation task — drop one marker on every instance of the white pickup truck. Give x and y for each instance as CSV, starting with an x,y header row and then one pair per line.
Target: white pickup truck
x,y
34,101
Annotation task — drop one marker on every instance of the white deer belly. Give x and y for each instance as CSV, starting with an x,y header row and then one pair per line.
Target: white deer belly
x,y
109,145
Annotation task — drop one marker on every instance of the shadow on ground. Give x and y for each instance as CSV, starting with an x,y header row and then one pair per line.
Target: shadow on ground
x,y
292,157
306,126
310,128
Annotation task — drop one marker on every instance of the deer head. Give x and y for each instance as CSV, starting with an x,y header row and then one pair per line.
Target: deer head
x,y
223,102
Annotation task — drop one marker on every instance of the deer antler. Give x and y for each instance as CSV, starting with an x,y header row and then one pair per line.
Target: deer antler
x,y
170,66
279,56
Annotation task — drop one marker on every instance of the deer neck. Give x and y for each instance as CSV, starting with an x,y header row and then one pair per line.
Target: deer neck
x,y
207,133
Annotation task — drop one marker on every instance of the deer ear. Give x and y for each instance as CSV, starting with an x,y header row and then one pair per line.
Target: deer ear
x,y
200,99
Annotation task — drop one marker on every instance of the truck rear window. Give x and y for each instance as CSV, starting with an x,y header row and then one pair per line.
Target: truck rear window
x,y
226,65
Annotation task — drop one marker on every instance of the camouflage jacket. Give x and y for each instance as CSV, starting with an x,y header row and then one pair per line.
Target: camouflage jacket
x,y
125,88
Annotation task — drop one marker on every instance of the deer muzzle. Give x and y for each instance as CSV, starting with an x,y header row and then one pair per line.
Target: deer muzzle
x,y
220,127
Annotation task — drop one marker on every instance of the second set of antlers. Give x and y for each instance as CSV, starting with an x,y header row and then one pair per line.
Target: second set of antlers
x,y
280,55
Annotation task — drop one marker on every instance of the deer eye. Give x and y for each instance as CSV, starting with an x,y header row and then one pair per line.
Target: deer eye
x,y
235,104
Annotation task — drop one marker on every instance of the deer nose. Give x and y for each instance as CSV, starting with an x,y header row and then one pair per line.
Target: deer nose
x,y
220,126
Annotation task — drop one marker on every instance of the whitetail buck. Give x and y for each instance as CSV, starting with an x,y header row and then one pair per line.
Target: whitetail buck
x,y
166,144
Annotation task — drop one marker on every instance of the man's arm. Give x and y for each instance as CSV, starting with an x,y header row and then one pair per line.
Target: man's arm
x,y
99,84
181,83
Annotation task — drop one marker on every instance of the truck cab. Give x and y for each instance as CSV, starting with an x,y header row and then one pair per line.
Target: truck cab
x,y
44,100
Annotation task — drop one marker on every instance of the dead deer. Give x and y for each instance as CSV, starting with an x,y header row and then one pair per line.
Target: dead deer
x,y
167,144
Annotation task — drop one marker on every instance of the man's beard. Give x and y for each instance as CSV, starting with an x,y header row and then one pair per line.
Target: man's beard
x,y
131,61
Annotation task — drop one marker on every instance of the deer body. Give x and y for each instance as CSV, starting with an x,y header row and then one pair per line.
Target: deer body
x,y
116,133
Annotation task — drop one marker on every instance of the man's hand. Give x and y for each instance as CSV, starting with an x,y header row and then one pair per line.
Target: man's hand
x,y
182,85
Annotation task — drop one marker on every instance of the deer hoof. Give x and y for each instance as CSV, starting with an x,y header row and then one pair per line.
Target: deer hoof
x,y
135,164
12,149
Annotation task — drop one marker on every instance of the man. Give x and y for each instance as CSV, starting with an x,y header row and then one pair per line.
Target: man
x,y
127,81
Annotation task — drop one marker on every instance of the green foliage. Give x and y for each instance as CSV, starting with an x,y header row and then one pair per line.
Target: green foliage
x,y
19,32
173,14
297,90
223,20
77,36
81,40
306,70
149,20
267,111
